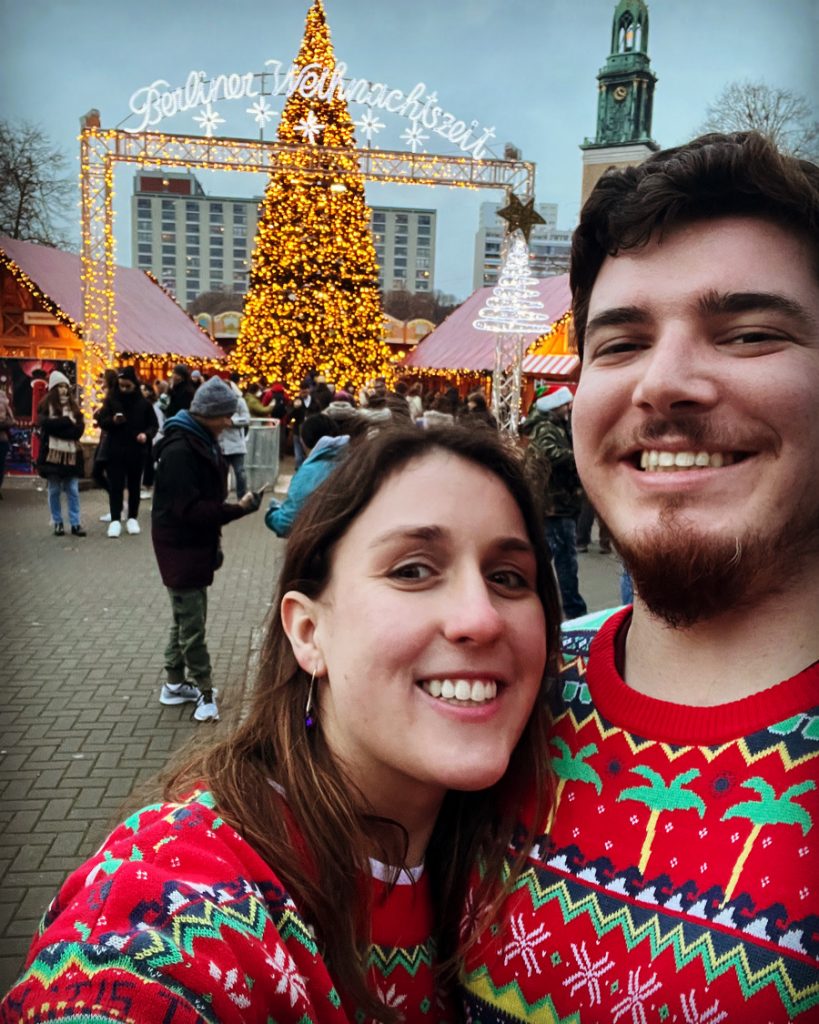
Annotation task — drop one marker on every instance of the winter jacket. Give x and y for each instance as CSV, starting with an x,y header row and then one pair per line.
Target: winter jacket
x,y
233,441
68,461
315,469
122,434
189,507
180,396
550,435
255,406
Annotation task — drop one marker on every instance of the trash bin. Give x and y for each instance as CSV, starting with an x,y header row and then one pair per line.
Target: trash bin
x,y
262,459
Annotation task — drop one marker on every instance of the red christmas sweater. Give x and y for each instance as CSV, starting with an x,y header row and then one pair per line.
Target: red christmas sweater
x,y
677,877
177,920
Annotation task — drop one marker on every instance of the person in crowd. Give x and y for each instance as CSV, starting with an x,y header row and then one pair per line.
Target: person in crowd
x,y
7,421
477,411
129,421
304,405
99,473
152,399
60,460
675,875
548,427
311,865
325,448
415,401
254,403
188,513
233,439
197,380
275,400
322,392
181,392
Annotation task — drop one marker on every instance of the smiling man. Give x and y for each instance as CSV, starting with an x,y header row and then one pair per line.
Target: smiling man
x,y
676,875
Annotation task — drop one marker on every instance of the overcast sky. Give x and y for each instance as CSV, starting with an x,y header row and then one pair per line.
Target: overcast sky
x,y
527,68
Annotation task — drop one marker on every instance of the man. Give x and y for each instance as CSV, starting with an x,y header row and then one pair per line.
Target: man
x,y
233,439
181,391
547,426
674,875
188,513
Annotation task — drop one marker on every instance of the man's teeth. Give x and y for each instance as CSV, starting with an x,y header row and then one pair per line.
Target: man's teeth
x,y
475,690
667,462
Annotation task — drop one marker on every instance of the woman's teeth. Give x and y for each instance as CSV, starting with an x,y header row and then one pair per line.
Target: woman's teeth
x,y
667,462
475,690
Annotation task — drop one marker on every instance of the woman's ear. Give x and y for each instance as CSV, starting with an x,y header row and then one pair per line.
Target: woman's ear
x,y
299,615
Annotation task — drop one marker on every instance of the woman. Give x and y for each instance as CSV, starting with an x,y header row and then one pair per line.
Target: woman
x,y
60,461
129,422
152,399
401,674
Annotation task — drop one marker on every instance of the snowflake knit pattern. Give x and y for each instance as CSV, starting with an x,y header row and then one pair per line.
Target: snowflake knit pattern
x,y
178,920
676,877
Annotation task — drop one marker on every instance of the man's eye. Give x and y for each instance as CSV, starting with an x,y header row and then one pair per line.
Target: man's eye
x,y
754,337
411,571
618,347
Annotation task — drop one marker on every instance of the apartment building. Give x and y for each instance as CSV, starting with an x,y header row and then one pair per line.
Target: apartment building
x,y
549,246
193,242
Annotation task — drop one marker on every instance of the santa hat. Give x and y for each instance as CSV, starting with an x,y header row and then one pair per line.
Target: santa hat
x,y
553,397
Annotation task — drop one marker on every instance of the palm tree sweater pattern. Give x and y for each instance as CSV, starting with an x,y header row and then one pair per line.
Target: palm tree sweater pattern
x,y
676,877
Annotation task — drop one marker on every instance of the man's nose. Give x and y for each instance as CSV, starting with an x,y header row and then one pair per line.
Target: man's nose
x,y
679,374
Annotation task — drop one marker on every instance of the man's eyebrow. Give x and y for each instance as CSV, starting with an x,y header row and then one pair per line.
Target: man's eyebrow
x,y
715,303
618,316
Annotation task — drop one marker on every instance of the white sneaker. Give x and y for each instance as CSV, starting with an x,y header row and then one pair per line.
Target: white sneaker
x,y
144,495
106,518
114,529
206,712
132,526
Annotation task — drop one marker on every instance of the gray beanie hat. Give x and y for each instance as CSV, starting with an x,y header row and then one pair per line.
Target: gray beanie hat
x,y
214,398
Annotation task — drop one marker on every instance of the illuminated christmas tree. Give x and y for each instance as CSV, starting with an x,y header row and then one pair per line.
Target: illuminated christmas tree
x,y
313,300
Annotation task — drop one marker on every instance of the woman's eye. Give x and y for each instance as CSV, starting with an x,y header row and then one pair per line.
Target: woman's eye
x,y
510,579
411,571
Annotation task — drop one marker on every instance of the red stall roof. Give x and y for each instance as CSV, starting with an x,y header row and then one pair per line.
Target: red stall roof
x,y
148,319
457,345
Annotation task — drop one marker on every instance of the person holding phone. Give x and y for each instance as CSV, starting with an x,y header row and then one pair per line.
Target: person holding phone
x,y
189,510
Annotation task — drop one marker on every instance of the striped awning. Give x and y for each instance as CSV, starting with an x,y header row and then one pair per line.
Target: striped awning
x,y
551,366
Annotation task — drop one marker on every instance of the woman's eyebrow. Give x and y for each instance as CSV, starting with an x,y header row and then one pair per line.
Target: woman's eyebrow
x,y
432,534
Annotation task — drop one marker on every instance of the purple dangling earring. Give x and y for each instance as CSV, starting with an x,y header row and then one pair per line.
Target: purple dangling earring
x,y
309,717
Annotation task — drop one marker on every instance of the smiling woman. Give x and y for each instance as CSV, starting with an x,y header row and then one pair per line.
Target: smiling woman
x,y
313,865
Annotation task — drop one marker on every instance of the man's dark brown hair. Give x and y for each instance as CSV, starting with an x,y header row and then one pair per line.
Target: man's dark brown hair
x,y
715,175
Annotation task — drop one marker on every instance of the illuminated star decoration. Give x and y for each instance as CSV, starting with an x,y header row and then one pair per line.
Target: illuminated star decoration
x,y
208,119
310,127
520,216
369,125
261,112
414,137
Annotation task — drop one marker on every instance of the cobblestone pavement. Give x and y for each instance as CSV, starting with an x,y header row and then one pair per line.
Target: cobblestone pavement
x,y
84,623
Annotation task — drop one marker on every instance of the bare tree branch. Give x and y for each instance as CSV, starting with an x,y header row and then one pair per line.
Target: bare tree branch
x,y
784,116
35,200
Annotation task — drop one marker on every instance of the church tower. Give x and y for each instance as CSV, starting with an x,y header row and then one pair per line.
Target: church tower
x,y
625,98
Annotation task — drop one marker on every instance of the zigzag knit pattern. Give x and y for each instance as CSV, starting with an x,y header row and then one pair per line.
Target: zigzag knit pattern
x,y
177,919
671,881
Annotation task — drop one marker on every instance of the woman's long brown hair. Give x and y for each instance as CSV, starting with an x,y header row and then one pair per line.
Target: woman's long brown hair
x,y
331,815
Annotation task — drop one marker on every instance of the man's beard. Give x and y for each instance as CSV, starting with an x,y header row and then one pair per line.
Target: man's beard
x,y
684,577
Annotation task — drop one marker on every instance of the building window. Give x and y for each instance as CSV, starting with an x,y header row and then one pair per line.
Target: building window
x,y
144,250
143,261
168,205
400,250
401,218
144,236
239,212
400,261
169,261
144,205
424,220
168,250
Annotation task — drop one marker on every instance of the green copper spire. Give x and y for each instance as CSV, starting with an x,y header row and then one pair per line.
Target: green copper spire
x,y
626,90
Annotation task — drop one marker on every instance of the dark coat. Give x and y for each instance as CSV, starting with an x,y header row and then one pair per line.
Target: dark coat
x,y
550,436
140,418
66,429
189,508
180,396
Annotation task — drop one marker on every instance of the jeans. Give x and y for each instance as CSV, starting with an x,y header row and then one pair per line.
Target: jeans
x,y
186,642
299,454
562,539
237,461
71,486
